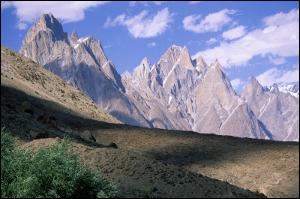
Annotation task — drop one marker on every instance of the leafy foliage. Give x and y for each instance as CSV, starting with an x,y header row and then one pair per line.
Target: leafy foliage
x,y
52,171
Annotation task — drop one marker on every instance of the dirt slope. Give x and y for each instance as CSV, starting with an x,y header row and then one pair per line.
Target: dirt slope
x,y
141,176
268,167
38,93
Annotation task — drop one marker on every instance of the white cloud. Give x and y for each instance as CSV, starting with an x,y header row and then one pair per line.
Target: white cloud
x,y
211,23
282,18
278,41
234,33
143,25
67,11
274,75
211,41
237,83
151,44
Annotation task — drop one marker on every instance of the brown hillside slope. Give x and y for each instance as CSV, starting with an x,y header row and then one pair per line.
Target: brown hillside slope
x,y
140,176
268,167
22,75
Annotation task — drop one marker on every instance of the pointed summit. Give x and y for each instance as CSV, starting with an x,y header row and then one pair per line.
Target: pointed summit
x,y
74,37
142,70
199,61
145,62
253,89
176,55
48,21
173,51
39,40
255,84
216,64
254,81
173,47
185,59
274,88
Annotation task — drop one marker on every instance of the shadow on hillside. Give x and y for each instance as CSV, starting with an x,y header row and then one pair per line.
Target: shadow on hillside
x,y
30,117
212,150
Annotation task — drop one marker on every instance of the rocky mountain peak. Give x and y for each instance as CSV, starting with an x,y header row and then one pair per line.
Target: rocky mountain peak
x,y
145,62
142,70
216,64
74,37
39,40
185,59
171,55
254,84
253,87
253,81
175,47
217,70
49,22
274,88
199,61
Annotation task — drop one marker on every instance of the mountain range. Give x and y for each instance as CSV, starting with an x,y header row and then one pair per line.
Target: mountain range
x,y
176,92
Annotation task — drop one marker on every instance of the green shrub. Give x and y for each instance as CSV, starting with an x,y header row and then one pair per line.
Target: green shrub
x,y
52,171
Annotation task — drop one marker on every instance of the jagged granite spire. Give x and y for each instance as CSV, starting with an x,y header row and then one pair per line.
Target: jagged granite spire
x,y
278,111
83,63
74,37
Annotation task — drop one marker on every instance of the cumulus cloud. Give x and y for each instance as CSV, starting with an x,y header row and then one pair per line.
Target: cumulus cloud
x,y
274,75
67,11
211,23
280,40
234,33
143,25
282,18
211,41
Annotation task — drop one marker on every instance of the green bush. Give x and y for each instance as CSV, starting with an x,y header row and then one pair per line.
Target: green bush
x,y
52,171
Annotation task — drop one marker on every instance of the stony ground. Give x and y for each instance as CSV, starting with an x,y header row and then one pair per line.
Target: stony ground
x,y
268,167
141,176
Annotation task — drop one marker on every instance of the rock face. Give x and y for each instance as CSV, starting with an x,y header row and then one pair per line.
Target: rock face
x,y
174,93
279,111
82,63
197,95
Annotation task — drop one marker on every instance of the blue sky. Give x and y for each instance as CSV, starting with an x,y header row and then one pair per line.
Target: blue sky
x,y
249,38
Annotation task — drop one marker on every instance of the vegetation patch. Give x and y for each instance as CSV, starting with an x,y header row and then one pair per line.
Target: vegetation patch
x,y
53,171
